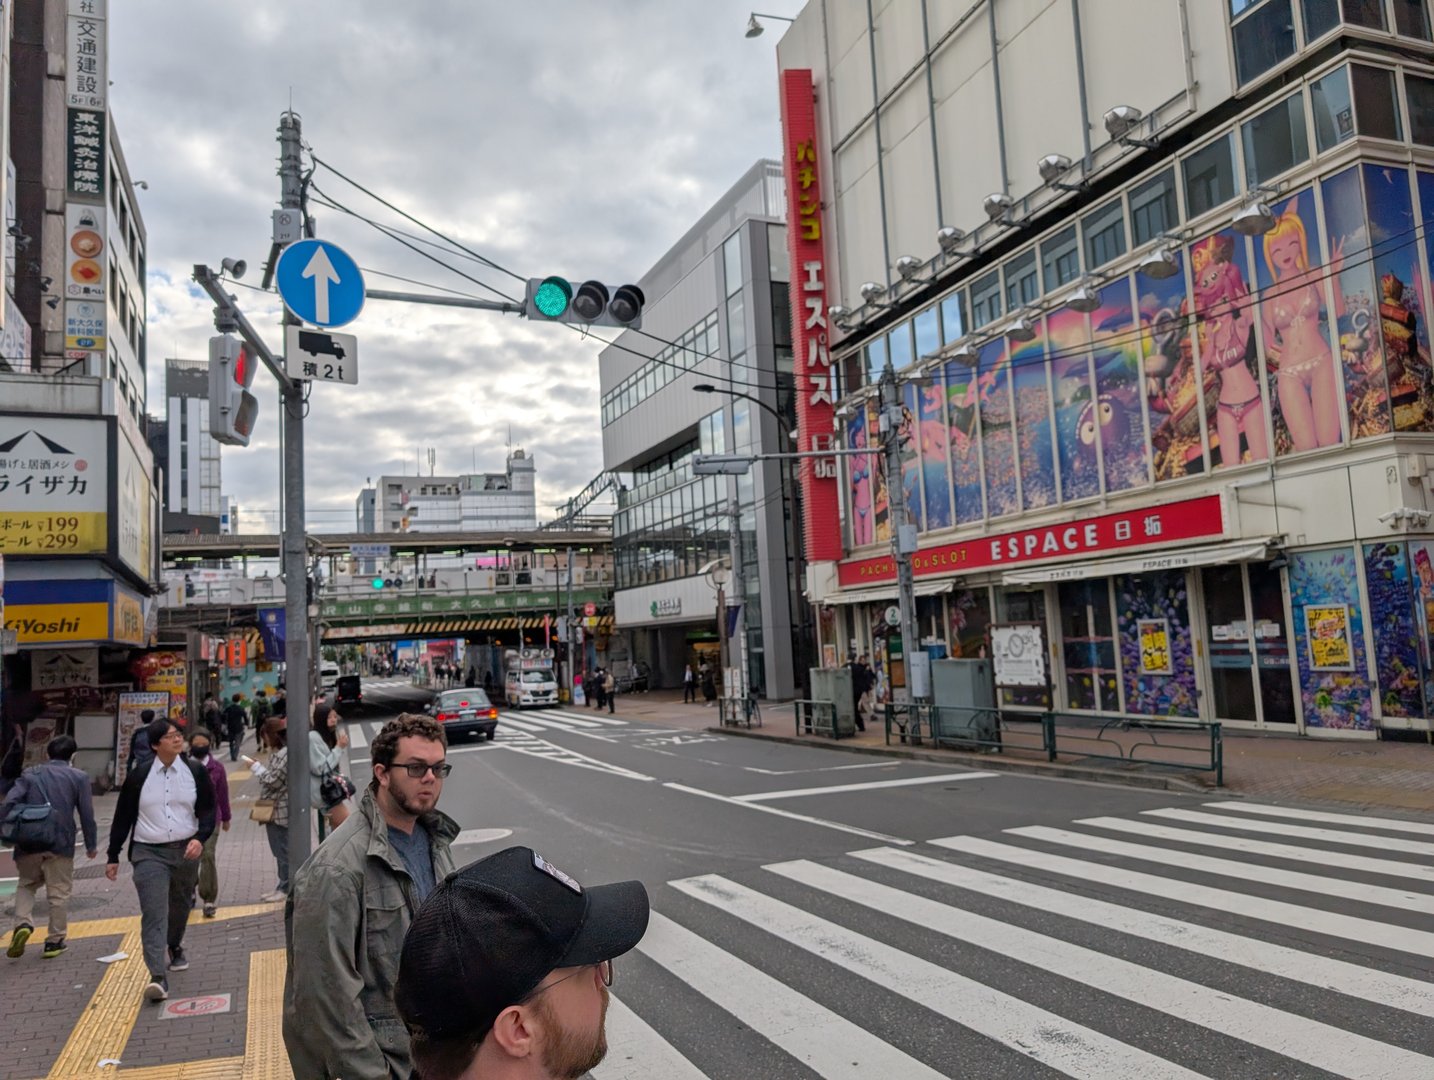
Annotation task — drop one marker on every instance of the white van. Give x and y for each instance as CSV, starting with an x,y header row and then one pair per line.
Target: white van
x,y
328,677
530,688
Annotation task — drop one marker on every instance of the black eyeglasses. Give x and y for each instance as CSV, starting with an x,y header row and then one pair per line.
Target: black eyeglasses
x,y
604,970
416,769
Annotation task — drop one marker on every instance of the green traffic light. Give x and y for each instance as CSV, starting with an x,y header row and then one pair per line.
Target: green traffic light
x,y
378,583
553,297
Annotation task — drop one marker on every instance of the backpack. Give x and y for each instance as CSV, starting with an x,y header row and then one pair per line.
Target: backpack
x,y
31,826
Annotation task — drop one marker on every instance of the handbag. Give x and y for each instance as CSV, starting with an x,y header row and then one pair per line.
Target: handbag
x,y
31,826
262,811
334,788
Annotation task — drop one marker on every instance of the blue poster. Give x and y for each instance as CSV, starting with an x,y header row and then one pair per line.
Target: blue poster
x,y
272,623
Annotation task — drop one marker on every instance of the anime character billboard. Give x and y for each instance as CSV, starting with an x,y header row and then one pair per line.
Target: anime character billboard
x,y
1172,388
964,416
935,451
1399,278
1034,447
1228,361
998,441
1077,442
1115,416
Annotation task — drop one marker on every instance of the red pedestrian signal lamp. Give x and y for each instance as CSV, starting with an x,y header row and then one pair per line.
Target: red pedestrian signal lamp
x,y
555,299
232,409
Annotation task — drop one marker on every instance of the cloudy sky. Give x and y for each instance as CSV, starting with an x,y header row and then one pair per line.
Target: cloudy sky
x,y
579,137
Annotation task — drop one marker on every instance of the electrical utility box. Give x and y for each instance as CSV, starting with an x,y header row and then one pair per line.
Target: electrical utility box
x,y
964,692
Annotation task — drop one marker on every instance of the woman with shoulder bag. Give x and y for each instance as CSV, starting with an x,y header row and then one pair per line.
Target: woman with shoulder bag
x,y
329,789
274,790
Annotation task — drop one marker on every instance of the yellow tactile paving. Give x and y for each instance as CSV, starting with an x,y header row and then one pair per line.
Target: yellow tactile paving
x,y
124,924
264,1054
238,776
218,1069
103,1028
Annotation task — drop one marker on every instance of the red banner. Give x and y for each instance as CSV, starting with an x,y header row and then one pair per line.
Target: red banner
x,y
815,384
1150,526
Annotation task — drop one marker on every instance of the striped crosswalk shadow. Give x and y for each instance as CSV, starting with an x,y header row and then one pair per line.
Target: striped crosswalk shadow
x,y
556,720
1061,947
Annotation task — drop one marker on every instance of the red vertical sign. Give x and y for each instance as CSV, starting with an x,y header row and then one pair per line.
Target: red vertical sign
x,y
815,384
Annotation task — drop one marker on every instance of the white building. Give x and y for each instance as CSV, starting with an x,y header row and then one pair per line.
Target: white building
x,y
472,502
192,484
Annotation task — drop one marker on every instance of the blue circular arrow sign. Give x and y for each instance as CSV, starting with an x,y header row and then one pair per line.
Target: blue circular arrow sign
x,y
320,283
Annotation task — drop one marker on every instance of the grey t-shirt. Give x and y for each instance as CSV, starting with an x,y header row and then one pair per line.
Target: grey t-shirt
x,y
417,855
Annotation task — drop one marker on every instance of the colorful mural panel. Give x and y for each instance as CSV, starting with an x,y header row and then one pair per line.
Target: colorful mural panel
x,y
964,414
1399,275
1294,326
1225,316
1160,596
1172,390
1071,383
861,474
969,614
1324,582
935,452
998,441
880,493
1116,414
1035,451
1361,346
909,443
1396,639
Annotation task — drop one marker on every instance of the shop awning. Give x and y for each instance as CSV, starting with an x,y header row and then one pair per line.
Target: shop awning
x,y
1236,551
886,594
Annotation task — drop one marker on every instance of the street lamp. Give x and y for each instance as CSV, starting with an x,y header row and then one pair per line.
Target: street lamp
x,y
708,388
754,28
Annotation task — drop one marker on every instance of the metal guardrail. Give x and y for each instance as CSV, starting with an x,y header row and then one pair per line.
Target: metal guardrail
x,y
816,717
1145,747
740,712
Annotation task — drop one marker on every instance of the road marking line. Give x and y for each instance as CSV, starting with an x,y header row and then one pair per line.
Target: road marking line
x,y
521,725
1303,832
871,785
1224,901
827,1043
825,768
556,724
791,814
637,1052
595,718
1326,973
1391,867
357,737
1393,824
104,1027
1245,871
1018,1025
1320,1045
212,1069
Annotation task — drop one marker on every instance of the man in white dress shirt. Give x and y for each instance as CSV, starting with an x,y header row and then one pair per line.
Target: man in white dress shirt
x,y
166,811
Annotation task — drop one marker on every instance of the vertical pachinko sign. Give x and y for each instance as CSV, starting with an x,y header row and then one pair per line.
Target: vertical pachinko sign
x,y
811,345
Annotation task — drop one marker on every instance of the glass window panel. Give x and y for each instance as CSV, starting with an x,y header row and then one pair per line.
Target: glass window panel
x,y
736,326
778,258
1275,141
732,262
1152,207
1104,231
1022,286
1263,39
875,358
1410,18
1060,258
1333,114
1369,13
928,332
1376,104
1321,16
986,300
1239,6
953,317
1209,177
900,345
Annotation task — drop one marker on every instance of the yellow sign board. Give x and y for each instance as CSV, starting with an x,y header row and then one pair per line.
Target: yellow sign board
x,y
36,624
38,532
1327,626
129,618
1155,658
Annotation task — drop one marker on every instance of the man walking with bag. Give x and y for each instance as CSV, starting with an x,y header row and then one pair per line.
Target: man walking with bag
x,y
67,791
166,811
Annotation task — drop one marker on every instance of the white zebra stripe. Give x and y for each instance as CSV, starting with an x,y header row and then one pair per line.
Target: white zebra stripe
x,y
1391,824
829,1044
358,740
1328,973
1314,1043
637,1052
1034,1032
1301,832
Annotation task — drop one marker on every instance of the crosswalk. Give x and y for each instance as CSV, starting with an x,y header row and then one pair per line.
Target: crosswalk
x,y
513,726
1230,940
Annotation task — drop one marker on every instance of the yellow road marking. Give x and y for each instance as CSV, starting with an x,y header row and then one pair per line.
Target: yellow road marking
x,y
218,1069
103,1028
264,1055
90,928
238,776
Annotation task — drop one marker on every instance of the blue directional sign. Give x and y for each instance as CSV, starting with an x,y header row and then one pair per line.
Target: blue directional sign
x,y
320,283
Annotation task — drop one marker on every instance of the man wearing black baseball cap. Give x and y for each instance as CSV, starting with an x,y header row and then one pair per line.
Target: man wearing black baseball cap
x,y
505,970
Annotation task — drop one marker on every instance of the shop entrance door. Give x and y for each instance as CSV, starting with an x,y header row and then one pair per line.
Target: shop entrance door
x,y
1248,642
1014,605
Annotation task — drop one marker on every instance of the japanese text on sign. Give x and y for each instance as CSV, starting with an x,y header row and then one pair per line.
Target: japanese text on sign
x,y
86,85
85,155
1330,648
1155,658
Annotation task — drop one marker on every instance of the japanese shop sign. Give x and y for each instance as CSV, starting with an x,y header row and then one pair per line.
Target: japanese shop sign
x,y
1155,658
1328,628
127,621
811,342
131,708
85,155
134,509
54,481
53,669
58,612
84,252
85,325
86,84
1151,526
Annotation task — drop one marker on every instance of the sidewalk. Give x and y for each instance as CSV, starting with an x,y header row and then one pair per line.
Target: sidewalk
x,y
77,1017
1366,773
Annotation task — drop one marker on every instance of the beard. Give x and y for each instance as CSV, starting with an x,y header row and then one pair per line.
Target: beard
x,y
409,804
570,1054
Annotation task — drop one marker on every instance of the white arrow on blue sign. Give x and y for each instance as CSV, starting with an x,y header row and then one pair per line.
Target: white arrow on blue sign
x,y
320,283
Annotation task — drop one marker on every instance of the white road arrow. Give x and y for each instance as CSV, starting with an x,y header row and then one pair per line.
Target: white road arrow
x,y
322,271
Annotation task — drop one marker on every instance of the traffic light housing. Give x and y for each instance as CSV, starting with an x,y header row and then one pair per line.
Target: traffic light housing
x,y
232,409
590,303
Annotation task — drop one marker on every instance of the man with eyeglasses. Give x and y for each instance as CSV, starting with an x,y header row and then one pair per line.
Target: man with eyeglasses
x,y
350,906
504,975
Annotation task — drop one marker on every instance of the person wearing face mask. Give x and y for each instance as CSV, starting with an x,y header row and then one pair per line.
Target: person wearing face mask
x,y
201,746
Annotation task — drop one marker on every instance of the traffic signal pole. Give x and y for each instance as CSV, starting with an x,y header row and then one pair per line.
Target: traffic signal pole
x,y
903,540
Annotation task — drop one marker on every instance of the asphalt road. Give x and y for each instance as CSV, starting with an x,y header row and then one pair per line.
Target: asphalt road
x,y
821,915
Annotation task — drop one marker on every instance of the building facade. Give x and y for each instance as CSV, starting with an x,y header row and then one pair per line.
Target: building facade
x,y
1154,280
471,502
716,316
192,478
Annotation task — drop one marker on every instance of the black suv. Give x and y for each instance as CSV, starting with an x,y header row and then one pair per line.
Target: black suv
x,y
348,689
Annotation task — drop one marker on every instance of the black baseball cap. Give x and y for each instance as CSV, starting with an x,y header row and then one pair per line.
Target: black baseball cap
x,y
488,934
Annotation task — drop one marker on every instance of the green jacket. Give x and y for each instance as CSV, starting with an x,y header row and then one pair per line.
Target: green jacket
x,y
344,924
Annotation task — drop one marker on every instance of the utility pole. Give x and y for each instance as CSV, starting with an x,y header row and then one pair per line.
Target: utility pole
x,y
572,634
903,546
738,644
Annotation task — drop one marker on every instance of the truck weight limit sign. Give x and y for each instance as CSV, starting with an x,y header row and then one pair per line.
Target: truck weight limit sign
x,y
320,356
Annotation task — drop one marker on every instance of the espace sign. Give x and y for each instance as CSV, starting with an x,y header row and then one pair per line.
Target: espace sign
x,y
1151,526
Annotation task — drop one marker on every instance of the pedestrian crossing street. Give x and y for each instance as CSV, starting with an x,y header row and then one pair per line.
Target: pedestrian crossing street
x,y
516,727
1232,940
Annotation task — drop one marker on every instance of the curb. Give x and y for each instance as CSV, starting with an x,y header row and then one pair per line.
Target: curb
x,y
993,763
